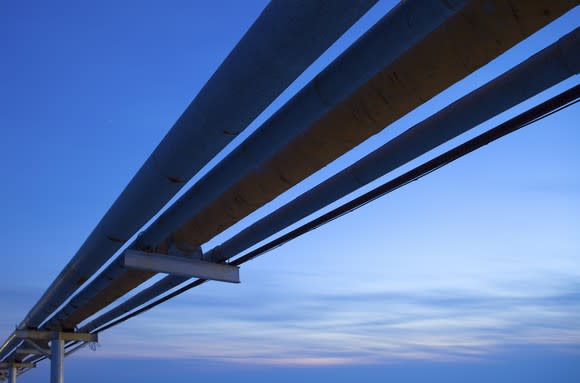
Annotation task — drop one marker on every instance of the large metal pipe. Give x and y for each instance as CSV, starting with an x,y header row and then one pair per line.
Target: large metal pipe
x,y
406,25
308,135
286,38
135,301
8,346
548,67
379,48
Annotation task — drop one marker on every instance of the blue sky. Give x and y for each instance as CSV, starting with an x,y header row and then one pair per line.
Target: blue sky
x,y
471,273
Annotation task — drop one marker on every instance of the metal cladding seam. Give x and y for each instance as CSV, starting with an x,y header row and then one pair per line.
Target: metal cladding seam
x,y
555,64
278,47
308,133
400,29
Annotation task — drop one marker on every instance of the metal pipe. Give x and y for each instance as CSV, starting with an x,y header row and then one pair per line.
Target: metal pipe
x,y
392,36
286,38
8,346
322,122
548,67
555,63
135,301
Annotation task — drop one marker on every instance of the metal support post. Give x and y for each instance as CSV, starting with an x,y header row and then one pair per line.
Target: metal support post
x,y
10,369
12,374
57,360
56,352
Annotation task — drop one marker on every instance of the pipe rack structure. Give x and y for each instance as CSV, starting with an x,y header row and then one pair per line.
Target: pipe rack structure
x,y
326,119
281,43
556,63
414,52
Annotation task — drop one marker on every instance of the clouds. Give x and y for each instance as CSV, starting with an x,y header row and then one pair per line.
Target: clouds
x,y
327,329
446,270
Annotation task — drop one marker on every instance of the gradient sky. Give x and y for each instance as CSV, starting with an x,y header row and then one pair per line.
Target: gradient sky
x,y
470,274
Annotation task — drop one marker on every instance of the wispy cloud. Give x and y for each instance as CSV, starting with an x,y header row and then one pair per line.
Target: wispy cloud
x,y
322,329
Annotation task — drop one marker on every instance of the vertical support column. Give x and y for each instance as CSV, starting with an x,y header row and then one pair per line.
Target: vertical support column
x,y
12,374
57,360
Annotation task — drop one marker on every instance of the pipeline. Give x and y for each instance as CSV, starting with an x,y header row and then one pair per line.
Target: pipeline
x,y
400,29
549,67
327,118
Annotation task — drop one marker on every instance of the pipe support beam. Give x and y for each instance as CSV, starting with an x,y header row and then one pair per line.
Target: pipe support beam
x,y
56,335
192,268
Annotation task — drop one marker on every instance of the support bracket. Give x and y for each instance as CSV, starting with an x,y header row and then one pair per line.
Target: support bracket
x,y
56,335
186,267
35,350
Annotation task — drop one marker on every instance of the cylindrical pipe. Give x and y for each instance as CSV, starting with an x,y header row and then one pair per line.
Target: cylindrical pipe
x,y
399,30
8,346
553,64
307,134
286,38
57,361
135,301
548,67
392,36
